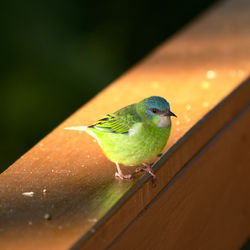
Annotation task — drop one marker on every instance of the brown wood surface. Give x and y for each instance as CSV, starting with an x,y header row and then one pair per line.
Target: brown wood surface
x,y
112,228
208,206
200,72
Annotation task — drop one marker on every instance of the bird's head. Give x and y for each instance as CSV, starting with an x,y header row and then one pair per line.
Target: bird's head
x,y
157,110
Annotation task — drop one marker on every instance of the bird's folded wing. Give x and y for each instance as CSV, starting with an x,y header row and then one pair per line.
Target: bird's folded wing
x,y
120,122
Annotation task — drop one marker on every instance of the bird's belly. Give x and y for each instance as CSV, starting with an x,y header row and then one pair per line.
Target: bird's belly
x,y
134,149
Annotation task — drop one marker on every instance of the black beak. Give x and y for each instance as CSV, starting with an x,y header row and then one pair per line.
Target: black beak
x,y
169,113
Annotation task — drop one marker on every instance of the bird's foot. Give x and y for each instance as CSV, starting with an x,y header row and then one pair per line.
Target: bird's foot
x,y
123,176
147,168
120,174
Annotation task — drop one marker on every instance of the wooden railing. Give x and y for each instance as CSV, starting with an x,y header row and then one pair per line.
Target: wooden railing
x,y
63,194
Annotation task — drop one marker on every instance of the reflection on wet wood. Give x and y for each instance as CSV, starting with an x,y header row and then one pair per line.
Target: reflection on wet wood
x,y
63,192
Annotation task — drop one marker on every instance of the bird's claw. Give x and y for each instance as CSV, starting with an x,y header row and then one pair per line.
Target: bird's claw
x,y
154,181
123,176
149,170
153,178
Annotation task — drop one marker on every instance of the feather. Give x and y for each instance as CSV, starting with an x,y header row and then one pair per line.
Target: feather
x,y
119,122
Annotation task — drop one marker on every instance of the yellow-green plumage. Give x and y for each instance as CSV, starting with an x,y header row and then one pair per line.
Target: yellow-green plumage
x,y
140,145
134,134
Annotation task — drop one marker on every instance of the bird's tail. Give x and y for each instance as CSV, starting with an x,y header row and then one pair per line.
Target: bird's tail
x,y
79,128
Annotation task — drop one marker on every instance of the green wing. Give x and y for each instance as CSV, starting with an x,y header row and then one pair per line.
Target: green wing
x,y
119,122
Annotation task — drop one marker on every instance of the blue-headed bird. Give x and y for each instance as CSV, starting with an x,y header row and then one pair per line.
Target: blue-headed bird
x,y
133,135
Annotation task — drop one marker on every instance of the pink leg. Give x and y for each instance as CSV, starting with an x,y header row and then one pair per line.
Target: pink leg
x,y
120,174
149,170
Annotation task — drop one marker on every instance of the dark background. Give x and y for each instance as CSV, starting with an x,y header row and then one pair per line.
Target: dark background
x,y
56,55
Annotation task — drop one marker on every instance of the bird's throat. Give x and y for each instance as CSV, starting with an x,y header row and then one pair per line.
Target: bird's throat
x,y
163,122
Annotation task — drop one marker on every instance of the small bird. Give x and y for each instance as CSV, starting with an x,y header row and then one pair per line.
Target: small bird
x,y
133,135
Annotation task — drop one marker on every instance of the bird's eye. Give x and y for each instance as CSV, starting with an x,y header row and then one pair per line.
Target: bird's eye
x,y
154,111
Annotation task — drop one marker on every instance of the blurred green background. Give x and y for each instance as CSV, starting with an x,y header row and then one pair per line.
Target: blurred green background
x,y
56,55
